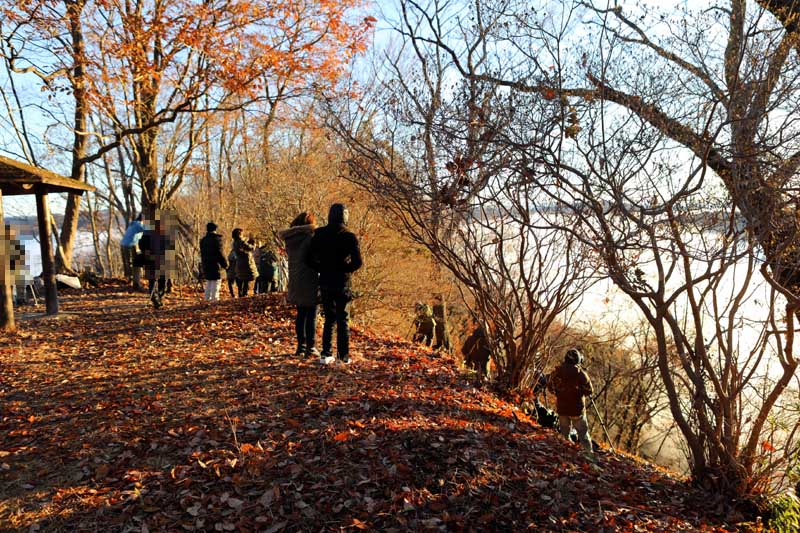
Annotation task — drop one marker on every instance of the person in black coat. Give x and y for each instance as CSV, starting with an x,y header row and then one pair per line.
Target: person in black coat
x,y
158,250
212,261
334,252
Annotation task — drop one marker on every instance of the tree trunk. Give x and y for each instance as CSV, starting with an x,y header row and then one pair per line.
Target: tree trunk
x,y
95,237
59,252
6,302
107,250
147,168
146,144
46,243
69,228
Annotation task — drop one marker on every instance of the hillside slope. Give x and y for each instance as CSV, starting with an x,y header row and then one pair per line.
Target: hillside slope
x,y
115,417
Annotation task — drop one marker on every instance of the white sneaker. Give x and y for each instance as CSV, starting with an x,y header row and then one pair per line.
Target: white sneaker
x,y
326,360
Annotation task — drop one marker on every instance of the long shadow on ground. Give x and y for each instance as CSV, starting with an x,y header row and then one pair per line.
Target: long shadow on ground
x,y
196,417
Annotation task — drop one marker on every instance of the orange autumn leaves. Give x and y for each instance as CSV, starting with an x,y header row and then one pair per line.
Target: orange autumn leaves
x,y
232,45
184,50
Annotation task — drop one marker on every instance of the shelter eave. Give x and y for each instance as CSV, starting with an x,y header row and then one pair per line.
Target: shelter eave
x,y
17,178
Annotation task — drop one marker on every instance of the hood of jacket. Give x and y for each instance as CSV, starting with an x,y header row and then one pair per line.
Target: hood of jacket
x,y
296,231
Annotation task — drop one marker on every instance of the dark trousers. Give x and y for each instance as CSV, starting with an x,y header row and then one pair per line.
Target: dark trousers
x,y
269,284
231,283
131,270
156,297
336,308
127,261
305,325
243,285
265,284
162,285
266,281
424,333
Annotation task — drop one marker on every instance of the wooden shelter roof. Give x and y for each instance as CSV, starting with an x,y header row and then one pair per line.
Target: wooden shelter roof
x,y
20,178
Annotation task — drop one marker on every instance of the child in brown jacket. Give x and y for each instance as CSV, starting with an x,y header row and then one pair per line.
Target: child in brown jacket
x,y
571,385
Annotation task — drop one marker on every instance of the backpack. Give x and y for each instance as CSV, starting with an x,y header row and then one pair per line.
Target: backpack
x,y
231,270
267,259
546,417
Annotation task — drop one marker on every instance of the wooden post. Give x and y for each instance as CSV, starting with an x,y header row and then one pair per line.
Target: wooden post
x,y
6,281
48,265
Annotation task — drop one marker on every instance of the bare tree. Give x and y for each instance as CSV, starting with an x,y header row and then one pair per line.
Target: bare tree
x,y
721,83
426,149
628,154
682,253
28,30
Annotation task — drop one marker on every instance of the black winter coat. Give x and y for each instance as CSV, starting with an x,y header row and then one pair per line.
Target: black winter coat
x,y
212,258
154,247
303,281
334,253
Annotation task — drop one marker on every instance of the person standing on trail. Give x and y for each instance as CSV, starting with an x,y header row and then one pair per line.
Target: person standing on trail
x,y
157,250
303,290
267,268
477,351
571,385
424,324
14,251
212,260
230,272
245,264
334,252
128,248
440,316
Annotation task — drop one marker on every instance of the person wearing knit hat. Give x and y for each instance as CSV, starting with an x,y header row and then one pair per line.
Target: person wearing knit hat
x,y
571,385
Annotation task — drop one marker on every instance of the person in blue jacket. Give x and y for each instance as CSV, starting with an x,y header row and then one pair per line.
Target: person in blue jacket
x,y
129,247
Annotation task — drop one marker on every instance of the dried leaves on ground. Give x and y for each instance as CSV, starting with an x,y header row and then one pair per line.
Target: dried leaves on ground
x,y
196,417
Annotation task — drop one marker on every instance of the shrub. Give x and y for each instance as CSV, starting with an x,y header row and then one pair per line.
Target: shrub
x,y
784,514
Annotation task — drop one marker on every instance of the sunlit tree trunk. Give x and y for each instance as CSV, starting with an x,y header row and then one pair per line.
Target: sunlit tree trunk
x,y
77,76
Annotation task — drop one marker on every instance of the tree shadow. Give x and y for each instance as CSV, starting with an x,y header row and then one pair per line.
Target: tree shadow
x,y
164,437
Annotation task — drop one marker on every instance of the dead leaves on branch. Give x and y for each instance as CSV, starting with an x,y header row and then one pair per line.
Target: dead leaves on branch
x,y
196,418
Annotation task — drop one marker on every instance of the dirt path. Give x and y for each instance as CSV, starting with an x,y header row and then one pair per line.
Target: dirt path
x,y
196,417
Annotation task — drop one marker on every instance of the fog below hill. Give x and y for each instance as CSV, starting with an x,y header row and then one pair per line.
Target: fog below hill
x,y
83,252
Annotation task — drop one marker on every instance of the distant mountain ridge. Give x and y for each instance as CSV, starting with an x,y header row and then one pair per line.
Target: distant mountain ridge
x,y
28,225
